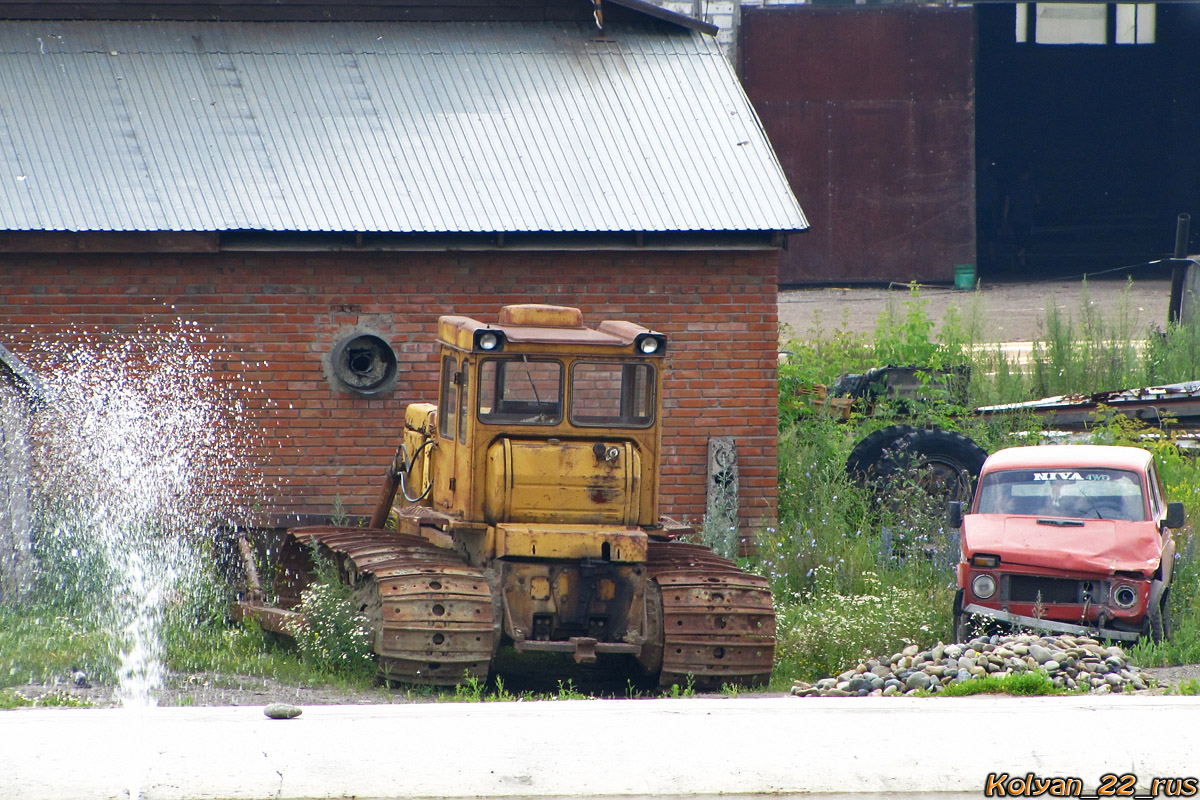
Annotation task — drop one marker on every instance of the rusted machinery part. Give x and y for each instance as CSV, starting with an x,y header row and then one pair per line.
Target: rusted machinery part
x,y
434,618
387,495
718,621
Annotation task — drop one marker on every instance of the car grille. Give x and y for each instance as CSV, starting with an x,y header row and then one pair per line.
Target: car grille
x,y
1026,589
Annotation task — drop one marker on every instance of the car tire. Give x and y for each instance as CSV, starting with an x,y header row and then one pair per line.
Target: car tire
x,y
1158,620
962,620
961,632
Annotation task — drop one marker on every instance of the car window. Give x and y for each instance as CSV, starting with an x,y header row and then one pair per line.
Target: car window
x,y
1075,493
1156,494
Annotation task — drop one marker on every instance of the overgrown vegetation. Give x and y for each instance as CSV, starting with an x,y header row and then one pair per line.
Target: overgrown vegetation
x,y
855,577
331,633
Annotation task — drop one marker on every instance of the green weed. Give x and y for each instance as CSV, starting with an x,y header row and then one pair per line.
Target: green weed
x,y
1024,684
567,691
39,643
471,690
686,690
10,699
331,632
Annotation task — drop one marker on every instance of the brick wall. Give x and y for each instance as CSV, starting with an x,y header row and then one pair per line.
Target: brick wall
x,y
276,315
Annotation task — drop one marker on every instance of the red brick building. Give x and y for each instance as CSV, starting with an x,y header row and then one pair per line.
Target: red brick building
x,y
292,187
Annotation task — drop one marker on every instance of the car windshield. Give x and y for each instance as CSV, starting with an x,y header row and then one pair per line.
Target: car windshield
x,y
1074,493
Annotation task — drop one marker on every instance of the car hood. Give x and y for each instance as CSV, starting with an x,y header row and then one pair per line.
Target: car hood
x,y
1098,545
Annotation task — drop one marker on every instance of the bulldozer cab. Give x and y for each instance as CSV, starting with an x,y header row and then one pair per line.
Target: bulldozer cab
x,y
543,420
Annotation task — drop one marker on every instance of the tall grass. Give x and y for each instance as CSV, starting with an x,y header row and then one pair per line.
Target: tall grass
x,y
854,575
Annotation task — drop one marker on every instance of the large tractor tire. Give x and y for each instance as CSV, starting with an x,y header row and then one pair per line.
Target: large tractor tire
x,y
864,459
944,463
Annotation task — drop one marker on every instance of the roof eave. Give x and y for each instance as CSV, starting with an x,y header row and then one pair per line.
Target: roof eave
x,y
651,10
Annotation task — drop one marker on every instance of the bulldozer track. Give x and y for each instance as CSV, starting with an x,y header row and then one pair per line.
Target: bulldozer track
x,y
434,617
718,621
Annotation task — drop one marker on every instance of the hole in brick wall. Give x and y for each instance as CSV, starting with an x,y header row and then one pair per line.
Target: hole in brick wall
x,y
363,363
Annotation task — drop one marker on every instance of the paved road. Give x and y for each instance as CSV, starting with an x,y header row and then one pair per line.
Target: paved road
x,y
1012,312
596,748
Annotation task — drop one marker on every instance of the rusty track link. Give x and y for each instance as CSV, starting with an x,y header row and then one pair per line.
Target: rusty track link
x,y
434,618
718,621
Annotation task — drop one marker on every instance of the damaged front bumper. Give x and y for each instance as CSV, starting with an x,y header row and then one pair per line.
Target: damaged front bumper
x,y
1034,623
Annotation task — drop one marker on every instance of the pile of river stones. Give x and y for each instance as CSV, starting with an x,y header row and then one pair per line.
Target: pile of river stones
x,y
1071,662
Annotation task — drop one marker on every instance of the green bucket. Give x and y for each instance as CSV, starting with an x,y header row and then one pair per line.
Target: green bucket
x,y
964,277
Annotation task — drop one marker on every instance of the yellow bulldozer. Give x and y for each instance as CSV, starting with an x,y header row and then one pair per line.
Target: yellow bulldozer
x,y
522,511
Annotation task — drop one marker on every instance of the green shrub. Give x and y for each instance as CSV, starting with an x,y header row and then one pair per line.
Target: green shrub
x,y
830,631
1024,684
331,633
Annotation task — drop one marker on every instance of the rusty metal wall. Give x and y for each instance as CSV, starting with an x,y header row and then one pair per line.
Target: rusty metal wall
x,y
871,111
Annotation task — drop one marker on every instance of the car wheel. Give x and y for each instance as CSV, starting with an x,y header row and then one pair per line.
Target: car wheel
x,y
962,633
1158,621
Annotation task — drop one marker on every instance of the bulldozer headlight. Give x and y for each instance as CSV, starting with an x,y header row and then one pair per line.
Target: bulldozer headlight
x,y
489,340
649,344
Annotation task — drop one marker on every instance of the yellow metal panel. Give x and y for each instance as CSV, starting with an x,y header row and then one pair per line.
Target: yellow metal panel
x,y
541,315
420,417
539,588
557,481
626,545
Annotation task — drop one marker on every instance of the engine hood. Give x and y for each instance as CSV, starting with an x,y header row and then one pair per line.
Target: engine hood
x,y
1100,546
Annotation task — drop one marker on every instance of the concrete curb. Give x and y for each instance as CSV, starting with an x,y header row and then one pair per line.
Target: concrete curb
x,y
593,748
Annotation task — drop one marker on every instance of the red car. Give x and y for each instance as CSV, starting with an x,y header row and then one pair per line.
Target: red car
x,y
1068,539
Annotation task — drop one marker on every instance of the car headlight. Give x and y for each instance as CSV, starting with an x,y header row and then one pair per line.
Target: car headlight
x,y
984,586
1125,595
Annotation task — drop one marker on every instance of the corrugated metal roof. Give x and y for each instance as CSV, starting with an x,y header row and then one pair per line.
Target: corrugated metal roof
x,y
383,127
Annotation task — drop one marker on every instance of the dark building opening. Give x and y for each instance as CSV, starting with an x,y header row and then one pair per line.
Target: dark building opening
x,y
1107,133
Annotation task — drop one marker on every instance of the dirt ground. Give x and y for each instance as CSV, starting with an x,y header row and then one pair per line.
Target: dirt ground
x,y
204,689
1013,312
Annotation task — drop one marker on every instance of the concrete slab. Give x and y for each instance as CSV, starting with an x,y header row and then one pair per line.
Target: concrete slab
x,y
1008,312
594,748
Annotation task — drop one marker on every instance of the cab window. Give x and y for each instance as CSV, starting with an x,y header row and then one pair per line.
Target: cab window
x,y
464,378
612,394
448,400
520,391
